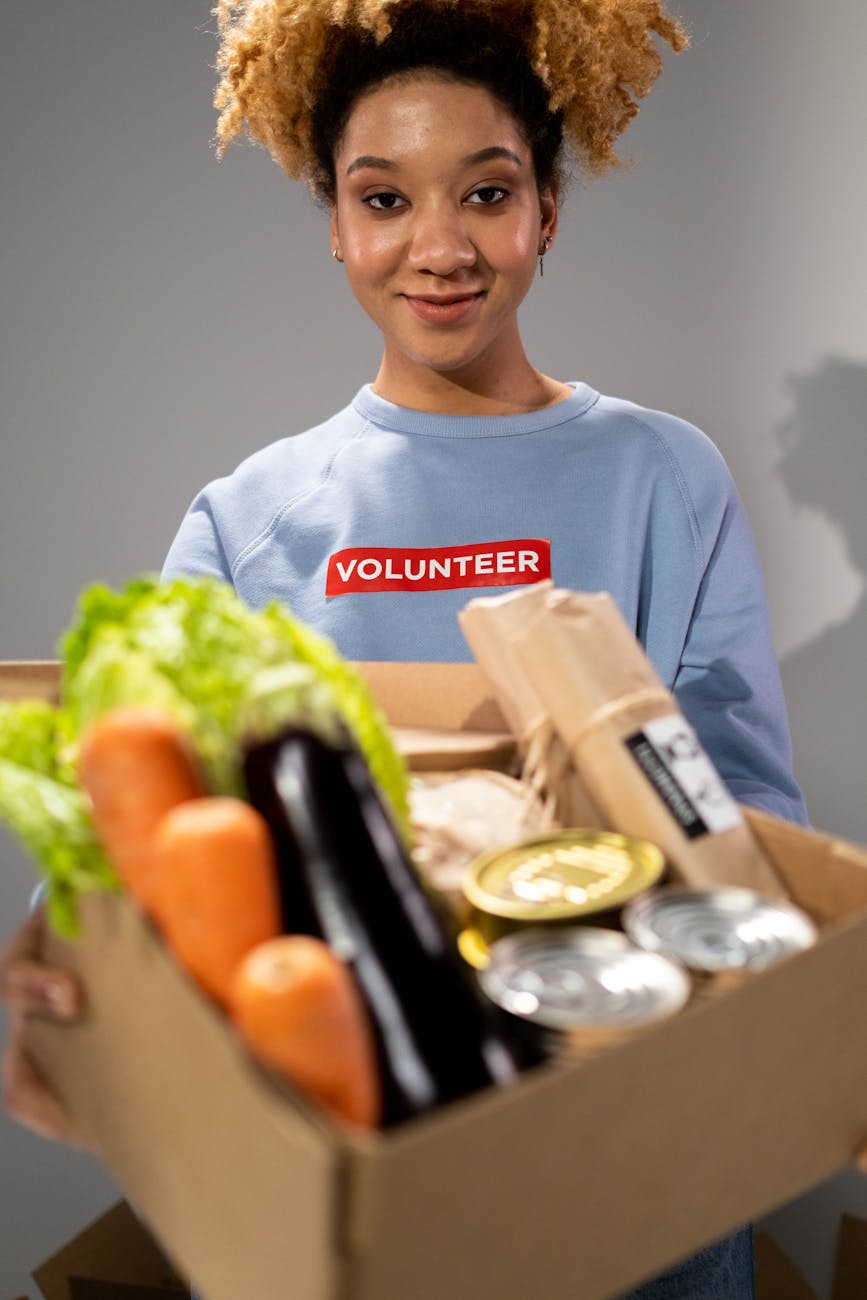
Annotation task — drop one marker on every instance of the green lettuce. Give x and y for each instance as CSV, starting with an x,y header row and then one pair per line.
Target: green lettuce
x,y
45,810
190,646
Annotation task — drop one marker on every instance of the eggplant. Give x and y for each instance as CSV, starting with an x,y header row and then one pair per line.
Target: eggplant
x,y
346,877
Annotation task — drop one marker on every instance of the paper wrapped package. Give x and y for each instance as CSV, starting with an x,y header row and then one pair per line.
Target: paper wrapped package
x,y
621,730
492,627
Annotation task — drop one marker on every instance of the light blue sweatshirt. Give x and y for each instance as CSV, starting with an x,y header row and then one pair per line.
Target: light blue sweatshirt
x,y
378,526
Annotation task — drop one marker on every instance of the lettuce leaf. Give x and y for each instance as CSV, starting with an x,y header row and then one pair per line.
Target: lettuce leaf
x,y
194,647
44,809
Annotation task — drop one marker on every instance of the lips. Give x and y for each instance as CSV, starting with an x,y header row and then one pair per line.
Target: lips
x,y
443,308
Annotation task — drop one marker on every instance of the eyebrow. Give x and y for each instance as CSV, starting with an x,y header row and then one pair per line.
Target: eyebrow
x,y
491,154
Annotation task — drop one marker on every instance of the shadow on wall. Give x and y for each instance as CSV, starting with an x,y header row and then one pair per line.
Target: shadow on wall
x,y
823,465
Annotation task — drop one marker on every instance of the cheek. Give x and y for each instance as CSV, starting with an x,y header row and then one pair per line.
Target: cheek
x,y
368,251
512,248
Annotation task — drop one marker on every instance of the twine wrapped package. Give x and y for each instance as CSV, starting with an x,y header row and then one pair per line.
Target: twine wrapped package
x,y
637,757
493,627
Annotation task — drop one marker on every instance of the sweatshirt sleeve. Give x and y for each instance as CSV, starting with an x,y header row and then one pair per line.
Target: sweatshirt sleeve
x,y
728,683
197,549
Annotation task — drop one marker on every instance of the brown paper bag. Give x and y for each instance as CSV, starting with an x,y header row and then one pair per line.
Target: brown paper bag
x,y
637,756
491,627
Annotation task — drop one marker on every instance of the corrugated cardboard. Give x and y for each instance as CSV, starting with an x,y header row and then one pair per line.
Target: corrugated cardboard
x,y
581,1180
776,1275
113,1251
850,1268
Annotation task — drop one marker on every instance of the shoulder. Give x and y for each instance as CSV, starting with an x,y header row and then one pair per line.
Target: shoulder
x,y
279,471
660,433
234,512
679,458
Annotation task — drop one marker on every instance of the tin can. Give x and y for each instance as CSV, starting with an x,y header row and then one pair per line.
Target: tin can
x,y
718,929
582,978
559,877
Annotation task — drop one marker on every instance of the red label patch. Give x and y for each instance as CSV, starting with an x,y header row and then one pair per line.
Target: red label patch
x,y
518,562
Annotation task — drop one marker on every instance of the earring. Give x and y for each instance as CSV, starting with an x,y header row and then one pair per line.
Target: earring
x,y
336,255
546,244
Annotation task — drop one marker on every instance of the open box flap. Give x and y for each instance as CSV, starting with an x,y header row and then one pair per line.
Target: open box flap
x,y
452,696
30,679
825,875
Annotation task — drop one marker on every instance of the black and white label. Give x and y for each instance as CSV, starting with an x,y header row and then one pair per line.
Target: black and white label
x,y
670,755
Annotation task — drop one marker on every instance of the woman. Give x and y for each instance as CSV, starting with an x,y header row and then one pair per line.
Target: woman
x,y
434,133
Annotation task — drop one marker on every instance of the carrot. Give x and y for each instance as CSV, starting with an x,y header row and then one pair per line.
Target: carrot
x,y
135,764
297,1007
214,887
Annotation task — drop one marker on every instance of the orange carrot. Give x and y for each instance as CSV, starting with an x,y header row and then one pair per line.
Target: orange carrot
x,y
135,764
214,887
297,1006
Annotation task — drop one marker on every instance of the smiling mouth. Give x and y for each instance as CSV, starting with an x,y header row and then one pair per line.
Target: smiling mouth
x,y
444,300
443,310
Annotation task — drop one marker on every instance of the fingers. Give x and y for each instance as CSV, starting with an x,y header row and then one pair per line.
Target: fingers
x,y
27,985
26,1095
860,1158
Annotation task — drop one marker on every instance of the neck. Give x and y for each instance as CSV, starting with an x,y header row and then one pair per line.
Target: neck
x,y
476,390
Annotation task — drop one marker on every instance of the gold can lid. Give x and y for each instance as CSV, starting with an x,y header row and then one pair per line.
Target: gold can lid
x,y
563,874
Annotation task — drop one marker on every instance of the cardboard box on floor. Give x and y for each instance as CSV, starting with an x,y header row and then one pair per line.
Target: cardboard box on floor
x,y
580,1180
113,1258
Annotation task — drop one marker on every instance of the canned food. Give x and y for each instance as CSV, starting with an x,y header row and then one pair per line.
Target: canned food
x,y
581,978
718,929
558,877
473,948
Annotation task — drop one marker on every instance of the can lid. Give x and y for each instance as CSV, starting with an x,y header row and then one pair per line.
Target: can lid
x,y
718,929
563,874
578,977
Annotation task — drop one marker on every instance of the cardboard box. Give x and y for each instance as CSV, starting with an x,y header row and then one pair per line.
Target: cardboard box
x,y
113,1257
776,1275
850,1266
582,1179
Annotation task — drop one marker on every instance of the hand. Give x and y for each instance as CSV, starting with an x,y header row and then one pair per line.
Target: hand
x,y
29,989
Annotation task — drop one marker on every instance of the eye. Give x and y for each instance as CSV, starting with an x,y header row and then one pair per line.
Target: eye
x,y
487,195
384,202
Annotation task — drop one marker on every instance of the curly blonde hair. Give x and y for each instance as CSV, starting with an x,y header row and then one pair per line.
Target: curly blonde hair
x,y
592,59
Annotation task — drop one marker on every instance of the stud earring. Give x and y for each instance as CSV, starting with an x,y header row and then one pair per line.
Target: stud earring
x,y
336,255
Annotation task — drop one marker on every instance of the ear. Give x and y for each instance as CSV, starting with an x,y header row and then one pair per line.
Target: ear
x,y
335,233
549,209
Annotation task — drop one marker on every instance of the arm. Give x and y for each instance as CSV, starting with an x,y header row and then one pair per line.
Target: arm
x,y
728,683
197,548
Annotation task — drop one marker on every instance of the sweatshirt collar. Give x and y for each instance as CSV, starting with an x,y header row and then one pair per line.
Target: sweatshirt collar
x,y
404,419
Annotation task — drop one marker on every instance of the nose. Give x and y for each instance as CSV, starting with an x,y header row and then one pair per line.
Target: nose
x,y
440,243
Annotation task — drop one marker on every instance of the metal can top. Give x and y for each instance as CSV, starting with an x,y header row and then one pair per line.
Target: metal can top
x,y
561,875
718,929
578,977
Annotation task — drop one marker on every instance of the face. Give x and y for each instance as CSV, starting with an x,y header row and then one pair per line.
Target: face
x,y
439,221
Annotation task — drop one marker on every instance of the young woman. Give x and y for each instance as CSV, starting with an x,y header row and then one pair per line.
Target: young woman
x,y
435,135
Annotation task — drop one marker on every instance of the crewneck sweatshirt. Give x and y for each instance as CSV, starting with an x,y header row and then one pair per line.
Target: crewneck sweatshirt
x,y
377,526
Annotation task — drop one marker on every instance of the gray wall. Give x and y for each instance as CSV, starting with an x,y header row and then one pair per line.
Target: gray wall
x,y
163,315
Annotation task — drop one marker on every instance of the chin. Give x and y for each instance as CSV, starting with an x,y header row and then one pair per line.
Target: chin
x,y
444,361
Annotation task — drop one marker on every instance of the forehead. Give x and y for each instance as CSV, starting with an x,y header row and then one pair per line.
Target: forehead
x,y
414,116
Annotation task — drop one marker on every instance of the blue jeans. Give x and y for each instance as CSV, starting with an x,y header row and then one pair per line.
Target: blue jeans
x,y
723,1271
